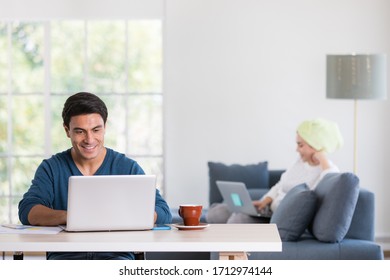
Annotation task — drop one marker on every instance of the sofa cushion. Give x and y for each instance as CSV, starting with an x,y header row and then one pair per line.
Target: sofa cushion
x,y
253,175
337,195
295,212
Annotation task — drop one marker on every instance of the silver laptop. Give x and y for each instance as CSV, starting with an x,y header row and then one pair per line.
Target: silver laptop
x,y
111,202
238,200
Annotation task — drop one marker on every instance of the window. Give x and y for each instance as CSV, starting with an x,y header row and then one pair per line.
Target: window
x,y
42,63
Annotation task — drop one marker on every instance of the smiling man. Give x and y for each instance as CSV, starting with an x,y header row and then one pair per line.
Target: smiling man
x,y
45,203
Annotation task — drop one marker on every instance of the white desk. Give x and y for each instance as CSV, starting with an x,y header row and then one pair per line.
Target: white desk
x,y
215,238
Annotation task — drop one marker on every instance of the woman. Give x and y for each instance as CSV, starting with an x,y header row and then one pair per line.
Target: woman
x,y
315,140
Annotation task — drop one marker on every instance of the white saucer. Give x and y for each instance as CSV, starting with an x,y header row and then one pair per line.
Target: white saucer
x,y
183,227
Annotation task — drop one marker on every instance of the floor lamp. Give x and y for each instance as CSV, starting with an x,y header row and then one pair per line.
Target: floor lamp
x,y
356,76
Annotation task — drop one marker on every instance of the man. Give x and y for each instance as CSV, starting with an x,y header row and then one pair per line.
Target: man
x,y
45,203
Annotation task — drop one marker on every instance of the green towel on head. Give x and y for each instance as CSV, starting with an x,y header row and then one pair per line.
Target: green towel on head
x,y
321,134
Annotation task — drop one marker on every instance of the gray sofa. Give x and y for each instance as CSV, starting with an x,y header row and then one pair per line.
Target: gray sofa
x,y
348,235
358,244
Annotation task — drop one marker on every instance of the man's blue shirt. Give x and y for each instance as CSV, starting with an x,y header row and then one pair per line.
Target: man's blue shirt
x,y
50,188
50,184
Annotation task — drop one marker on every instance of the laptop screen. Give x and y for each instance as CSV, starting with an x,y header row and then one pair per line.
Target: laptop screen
x,y
111,202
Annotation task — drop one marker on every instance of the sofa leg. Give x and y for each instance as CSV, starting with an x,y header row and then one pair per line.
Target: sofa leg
x,y
233,256
139,255
18,255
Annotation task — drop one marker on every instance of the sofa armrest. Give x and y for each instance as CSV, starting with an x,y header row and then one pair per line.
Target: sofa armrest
x,y
363,219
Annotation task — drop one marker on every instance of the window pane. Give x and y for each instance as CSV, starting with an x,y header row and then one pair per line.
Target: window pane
x,y
4,210
3,58
152,166
67,56
23,170
115,137
145,125
60,142
4,184
3,123
14,209
106,56
27,57
145,56
28,124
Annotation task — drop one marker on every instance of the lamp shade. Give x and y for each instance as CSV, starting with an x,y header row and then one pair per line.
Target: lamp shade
x,y
356,76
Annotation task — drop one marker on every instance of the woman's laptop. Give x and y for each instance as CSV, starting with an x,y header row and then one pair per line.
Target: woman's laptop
x,y
111,202
238,200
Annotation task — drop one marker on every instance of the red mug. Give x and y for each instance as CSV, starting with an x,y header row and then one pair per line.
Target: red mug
x,y
190,214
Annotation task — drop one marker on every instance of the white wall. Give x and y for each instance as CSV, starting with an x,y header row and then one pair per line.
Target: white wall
x,y
241,74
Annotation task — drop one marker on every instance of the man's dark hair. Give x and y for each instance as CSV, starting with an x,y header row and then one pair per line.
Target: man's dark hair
x,y
83,103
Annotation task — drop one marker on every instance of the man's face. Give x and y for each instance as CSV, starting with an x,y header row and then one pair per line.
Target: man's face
x,y
86,133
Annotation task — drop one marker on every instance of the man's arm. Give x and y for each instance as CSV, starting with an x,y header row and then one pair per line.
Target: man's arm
x,y
40,215
162,214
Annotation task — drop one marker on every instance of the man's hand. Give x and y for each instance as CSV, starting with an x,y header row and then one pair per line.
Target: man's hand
x,y
44,216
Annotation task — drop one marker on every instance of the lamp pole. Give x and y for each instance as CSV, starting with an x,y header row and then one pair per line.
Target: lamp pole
x,y
355,137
